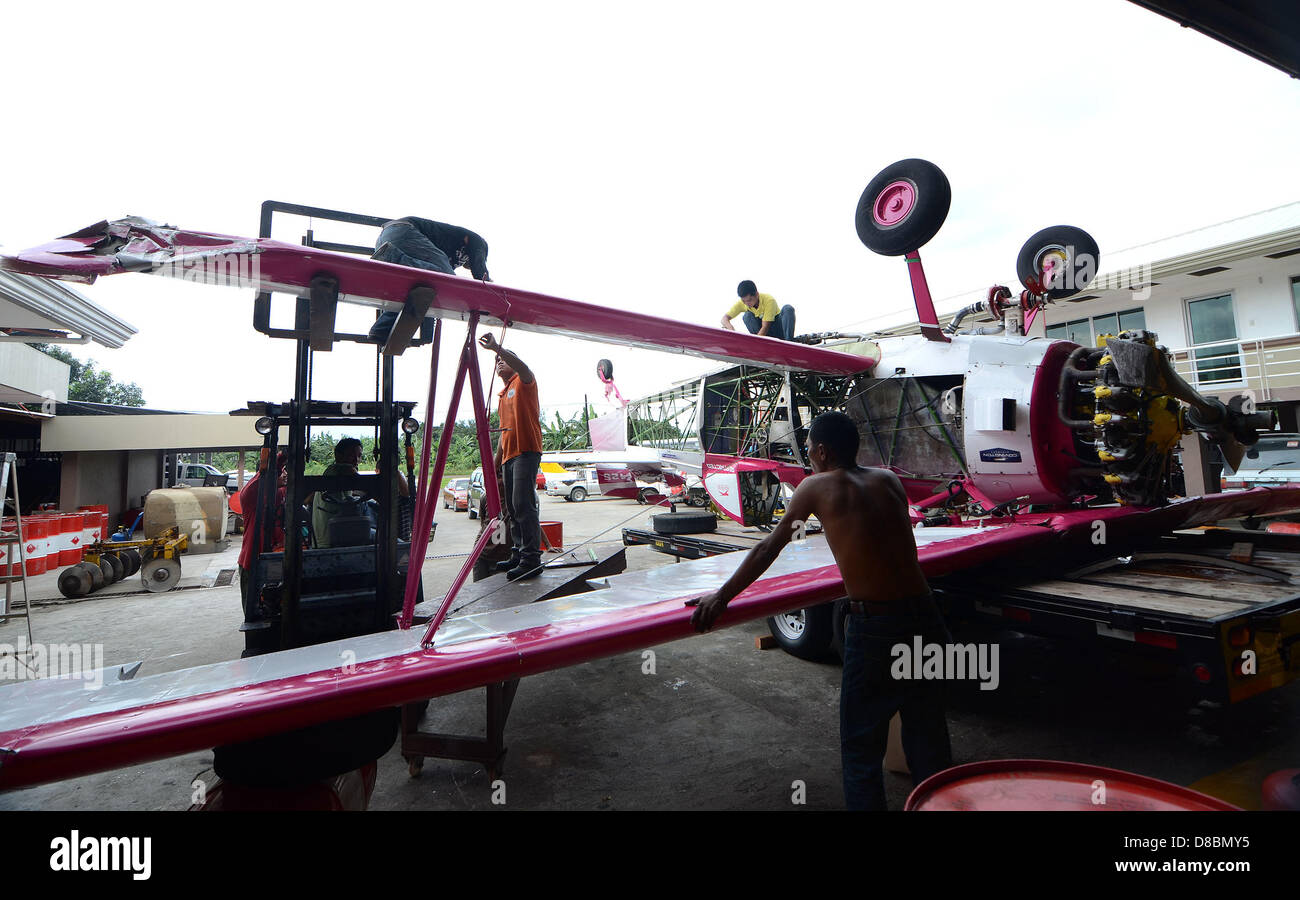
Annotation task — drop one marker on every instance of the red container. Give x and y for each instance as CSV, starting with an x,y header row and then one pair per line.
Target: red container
x,y
552,533
1046,784
70,532
34,529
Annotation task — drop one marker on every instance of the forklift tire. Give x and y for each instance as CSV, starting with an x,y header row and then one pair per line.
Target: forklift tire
x,y
685,522
805,633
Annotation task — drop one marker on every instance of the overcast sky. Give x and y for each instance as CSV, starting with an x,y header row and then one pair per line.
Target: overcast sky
x,y
643,157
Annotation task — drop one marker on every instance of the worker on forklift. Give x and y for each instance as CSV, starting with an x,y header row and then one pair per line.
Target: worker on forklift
x,y
252,535
426,244
327,506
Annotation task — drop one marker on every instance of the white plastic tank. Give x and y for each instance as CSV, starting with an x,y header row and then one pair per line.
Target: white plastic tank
x,y
199,513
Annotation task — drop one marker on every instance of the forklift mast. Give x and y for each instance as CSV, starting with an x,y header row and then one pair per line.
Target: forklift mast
x,y
309,595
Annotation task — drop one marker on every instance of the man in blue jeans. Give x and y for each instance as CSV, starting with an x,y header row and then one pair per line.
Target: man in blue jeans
x,y
761,315
864,515
426,244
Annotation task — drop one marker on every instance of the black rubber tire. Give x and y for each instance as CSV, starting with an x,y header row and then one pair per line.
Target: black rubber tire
x,y
578,494
685,522
605,369
933,197
1082,253
812,637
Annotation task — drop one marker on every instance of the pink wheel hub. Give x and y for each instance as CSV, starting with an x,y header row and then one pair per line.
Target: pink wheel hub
x,y
894,203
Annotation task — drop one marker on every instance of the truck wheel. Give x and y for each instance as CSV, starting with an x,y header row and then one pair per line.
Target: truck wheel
x,y
805,633
685,522
577,495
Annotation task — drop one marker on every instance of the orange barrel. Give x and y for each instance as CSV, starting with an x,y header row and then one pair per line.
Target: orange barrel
x,y
71,554
34,545
1047,784
552,533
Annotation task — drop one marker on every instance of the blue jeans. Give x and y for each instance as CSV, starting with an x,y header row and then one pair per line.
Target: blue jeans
x,y
869,697
406,246
782,326
521,503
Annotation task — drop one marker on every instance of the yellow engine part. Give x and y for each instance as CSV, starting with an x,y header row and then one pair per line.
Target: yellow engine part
x,y
1165,418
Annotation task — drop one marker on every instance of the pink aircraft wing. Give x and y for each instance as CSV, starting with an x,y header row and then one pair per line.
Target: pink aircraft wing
x,y
58,728
133,245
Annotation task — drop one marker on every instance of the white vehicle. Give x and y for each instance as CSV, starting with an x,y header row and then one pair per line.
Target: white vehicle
x,y
574,486
195,474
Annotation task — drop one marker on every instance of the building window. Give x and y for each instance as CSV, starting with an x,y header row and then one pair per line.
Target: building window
x,y
1212,323
1085,332
1295,298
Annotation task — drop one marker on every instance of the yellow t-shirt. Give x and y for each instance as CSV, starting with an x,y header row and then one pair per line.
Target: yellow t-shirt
x,y
767,309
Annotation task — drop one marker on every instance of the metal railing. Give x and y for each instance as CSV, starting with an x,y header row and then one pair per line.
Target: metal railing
x,y
1263,365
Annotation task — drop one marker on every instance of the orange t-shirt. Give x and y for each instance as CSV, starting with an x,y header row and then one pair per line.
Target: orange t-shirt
x,y
521,423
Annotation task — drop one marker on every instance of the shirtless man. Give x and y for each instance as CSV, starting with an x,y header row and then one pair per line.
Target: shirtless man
x,y
863,512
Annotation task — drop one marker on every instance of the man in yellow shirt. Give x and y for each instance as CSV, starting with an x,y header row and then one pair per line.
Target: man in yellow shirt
x,y
762,315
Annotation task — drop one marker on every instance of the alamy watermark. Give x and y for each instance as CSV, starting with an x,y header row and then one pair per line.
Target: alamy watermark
x,y
949,662
23,661
242,270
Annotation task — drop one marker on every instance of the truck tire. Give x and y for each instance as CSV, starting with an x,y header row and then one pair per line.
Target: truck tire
x,y
805,633
578,494
685,522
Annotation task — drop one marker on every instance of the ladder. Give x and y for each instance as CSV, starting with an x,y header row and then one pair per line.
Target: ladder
x,y
13,542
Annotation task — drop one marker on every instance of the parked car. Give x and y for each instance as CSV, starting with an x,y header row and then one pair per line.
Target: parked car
x,y
455,494
233,483
476,491
573,486
199,474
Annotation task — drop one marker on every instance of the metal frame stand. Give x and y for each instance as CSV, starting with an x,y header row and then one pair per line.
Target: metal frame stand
x,y
488,751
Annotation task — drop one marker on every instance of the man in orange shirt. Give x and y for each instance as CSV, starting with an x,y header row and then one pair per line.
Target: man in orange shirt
x,y
519,450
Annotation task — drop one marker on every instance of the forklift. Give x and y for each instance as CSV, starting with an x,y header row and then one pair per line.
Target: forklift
x,y
314,591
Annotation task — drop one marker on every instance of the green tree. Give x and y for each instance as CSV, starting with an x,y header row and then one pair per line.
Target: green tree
x,y
90,385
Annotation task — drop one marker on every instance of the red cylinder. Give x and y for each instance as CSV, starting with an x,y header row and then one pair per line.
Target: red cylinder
x,y
70,548
34,545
